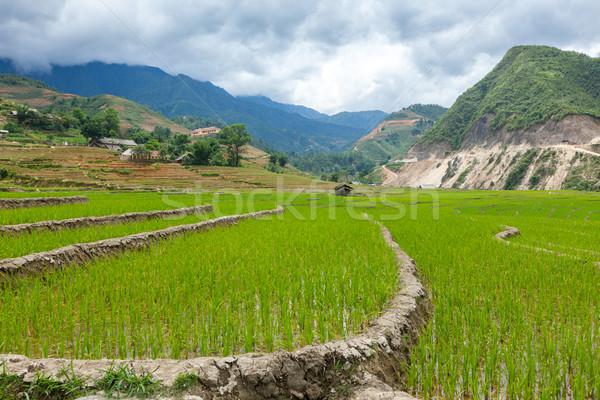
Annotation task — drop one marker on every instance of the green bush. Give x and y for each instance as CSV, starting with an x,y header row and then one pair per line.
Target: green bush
x,y
517,174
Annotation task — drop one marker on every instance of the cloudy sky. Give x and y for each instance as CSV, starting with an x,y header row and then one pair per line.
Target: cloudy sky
x,y
330,55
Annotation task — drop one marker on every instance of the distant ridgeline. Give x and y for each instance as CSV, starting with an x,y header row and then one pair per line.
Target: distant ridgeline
x,y
531,85
283,126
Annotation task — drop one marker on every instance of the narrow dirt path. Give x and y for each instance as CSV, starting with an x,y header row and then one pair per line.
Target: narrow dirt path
x,y
391,176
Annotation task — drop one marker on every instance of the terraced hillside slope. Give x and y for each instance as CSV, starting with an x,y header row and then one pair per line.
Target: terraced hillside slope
x,y
37,94
398,132
532,123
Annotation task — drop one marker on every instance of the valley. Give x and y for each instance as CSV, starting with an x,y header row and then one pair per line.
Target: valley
x,y
183,269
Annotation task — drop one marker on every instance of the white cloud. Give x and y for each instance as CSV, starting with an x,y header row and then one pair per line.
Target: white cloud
x,y
329,55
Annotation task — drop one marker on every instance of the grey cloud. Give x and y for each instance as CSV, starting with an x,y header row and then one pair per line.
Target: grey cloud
x,y
331,55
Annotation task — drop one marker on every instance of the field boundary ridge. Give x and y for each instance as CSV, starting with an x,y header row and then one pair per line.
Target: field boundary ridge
x,y
510,231
72,223
28,202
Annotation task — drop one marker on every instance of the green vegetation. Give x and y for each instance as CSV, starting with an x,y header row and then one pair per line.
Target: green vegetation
x,y
461,178
234,137
100,204
123,379
23,244
268,287
430,111
392,142
516,175
548,162
508,322
17,80
184,382
531,85
65,385
346,165
585,175
192,122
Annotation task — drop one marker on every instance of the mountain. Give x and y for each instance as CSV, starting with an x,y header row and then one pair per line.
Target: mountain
x,y
397,132
39,95
533,122
367,120
182,95
290,108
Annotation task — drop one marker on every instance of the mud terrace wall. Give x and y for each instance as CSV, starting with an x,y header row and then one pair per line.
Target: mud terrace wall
x,y
510,231
41,202
369,363
83,252
72,223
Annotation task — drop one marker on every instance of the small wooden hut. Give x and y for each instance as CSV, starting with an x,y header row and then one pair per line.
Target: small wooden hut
x,y
343,190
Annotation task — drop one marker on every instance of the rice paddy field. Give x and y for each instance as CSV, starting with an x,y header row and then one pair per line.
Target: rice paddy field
x,y
508,321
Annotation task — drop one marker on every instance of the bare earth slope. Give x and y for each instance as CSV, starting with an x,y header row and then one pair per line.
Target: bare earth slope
x,y
486,158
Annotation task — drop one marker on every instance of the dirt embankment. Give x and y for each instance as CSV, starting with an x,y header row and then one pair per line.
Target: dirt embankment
x,y
73,223
368,364
41,202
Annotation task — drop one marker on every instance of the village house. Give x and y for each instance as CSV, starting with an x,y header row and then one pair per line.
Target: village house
x,y
112,144
211,130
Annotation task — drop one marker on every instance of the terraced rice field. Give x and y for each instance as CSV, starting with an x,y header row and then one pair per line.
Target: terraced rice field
x,y
508,321
259,286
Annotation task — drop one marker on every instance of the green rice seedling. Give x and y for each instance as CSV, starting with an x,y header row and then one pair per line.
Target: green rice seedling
x,y
262,285
23,244
515,322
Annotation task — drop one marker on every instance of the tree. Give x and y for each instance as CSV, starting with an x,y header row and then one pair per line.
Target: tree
x,y
79,116
161,133
180,142
204,150
141,149
111,119
94,128
282,159
152,145
234,137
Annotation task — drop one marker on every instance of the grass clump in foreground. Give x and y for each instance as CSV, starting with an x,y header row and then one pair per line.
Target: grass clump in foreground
x,y
65,385
122,379
263,285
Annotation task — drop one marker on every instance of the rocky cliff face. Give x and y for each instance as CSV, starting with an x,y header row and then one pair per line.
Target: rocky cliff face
x,y
561,154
